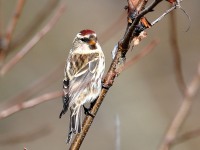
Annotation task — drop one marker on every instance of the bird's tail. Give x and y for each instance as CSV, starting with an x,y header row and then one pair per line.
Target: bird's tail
x,y
75,122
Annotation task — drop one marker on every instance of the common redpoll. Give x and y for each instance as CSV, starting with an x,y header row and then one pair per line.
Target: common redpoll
x,y
82,77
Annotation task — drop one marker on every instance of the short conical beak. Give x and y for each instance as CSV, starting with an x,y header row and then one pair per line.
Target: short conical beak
x,y
92,41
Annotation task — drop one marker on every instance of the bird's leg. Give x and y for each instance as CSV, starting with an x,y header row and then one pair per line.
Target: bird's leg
x,y
87,110
92,103
104,86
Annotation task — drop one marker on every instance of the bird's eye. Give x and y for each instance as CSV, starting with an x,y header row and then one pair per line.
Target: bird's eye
x,y
85,39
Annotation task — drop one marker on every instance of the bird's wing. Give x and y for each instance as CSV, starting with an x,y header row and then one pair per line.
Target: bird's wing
x,y
81,70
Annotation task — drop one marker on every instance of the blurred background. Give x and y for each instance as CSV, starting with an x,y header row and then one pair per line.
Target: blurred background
x,y
145,97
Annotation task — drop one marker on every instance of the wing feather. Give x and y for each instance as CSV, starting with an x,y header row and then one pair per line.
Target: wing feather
x,y
80,72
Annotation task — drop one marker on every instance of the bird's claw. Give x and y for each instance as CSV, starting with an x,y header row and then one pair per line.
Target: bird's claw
x,y
87,111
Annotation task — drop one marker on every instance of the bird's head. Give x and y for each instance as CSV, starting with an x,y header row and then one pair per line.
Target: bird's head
x,y
88,37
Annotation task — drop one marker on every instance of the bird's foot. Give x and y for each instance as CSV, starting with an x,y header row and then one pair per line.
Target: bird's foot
x,y
87,111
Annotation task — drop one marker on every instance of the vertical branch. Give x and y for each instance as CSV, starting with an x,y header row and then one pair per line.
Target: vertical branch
x,y
176,53
11,28
182,113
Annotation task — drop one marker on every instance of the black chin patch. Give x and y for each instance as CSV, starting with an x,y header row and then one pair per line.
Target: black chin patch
x,y
92,47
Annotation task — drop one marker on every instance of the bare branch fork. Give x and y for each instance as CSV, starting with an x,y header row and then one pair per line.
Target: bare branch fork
x,y
182,113
122,49
171,137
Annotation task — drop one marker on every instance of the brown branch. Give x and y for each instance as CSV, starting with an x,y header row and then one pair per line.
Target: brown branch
x,y
88,120
60,10
11,28
30,103
110,76
35,24
176,53
124,43
182,113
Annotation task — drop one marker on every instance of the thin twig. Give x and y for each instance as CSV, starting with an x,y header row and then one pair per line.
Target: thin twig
x,y
60,10
163,15
11,28
30,103
13,22
34,134
35,86
176,54
186,136
35,24
182,113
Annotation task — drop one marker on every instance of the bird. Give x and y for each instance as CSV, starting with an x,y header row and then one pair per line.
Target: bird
x,y
82,81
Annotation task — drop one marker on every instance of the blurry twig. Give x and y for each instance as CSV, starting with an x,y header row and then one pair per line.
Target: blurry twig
x,y
117,131
35,24
176,53
32,135
10,29
164,14
36,86
187,136
182,113
30,103
60,10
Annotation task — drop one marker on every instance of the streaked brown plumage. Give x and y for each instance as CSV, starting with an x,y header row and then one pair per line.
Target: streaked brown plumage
x,y
82,77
